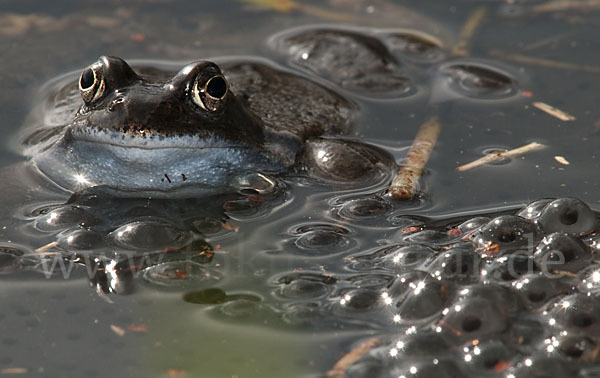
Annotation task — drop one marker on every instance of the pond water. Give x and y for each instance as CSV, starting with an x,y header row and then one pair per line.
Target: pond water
x,y
288,280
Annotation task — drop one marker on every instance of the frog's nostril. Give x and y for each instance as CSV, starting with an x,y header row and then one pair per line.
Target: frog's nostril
x,y
115,103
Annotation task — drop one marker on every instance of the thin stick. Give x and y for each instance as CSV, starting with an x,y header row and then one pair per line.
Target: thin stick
x,y
554,112
285,6
339,369
46,247
546,62
561,5
404,185
474,20
495,156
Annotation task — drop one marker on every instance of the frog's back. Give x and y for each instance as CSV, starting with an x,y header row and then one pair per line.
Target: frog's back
x,y
285,101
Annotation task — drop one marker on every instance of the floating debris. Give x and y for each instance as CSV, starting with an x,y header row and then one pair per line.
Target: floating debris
x,y
495,156
137,328
175,373
566,5
563,116
46,247
339,369
15,370
545,62
561,160
474,20
404,185
118,330
285,6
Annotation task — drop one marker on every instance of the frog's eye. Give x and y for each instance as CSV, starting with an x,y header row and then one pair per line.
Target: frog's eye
x,y
92,83
209,94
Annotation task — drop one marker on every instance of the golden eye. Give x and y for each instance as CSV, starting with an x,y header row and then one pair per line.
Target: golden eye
x,y
91,83
210,94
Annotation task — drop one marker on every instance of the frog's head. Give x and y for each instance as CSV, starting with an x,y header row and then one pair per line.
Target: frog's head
x,y
131,110
146,132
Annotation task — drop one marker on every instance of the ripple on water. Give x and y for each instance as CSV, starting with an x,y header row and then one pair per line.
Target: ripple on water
x,y
477,80
150,235
363,208
417,47
181,274
304,285
81,239
64,217
320,239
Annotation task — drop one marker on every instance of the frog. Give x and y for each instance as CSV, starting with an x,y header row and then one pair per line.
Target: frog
x,y
166,129
144,128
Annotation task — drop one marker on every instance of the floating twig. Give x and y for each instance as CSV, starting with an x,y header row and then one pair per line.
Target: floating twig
x,y
554,112
339,369
495,156
14,370
565,5
285,6
545,62
118,330
547,41
46,247
404,185
474,20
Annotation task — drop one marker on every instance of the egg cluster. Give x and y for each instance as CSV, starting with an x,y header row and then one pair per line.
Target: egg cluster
x,y
508,295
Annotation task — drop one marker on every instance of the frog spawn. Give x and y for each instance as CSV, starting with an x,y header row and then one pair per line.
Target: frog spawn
x,y
380,63
461,297
161,242
503,295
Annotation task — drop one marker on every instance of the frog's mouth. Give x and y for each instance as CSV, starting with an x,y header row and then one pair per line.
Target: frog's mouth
x,y
144,165
149,140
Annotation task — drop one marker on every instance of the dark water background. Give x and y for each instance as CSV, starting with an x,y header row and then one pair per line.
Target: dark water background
x,y
60,328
